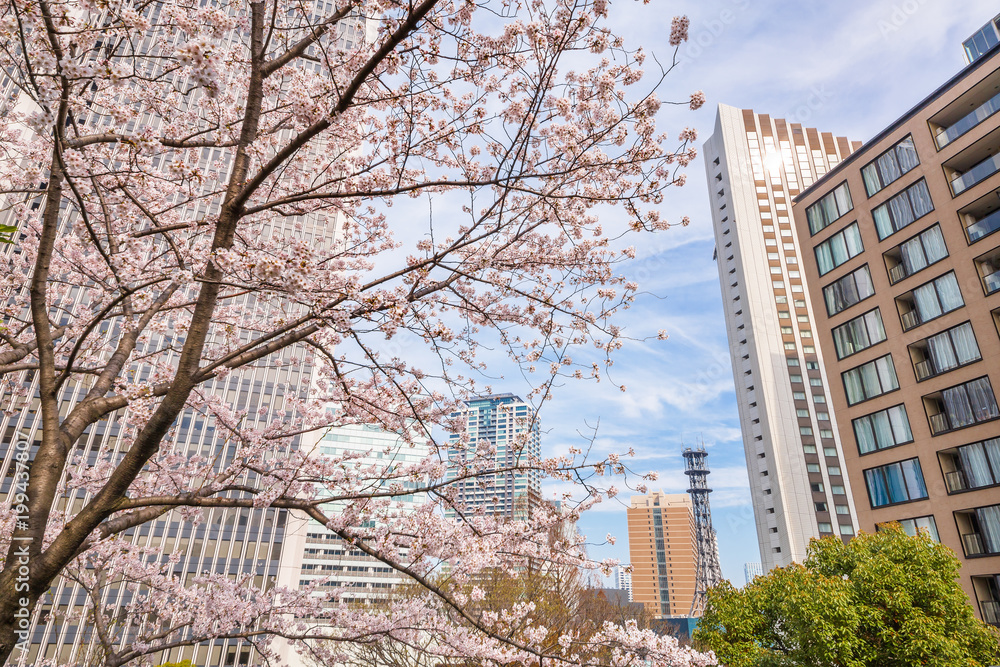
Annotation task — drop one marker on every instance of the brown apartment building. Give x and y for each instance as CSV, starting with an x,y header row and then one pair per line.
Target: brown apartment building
x,y
902,258
663,550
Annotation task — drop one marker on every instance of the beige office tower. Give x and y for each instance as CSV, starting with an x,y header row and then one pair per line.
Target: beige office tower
x,y
664,553
903,260
755,165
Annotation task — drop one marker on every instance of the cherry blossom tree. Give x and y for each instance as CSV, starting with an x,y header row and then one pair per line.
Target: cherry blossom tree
x,y
193,189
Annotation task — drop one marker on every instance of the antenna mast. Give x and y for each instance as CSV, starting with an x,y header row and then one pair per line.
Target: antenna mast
x,y
709,573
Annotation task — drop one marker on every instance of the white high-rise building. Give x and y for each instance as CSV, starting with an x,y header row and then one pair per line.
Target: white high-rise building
x,y
623,581
755,165
312,551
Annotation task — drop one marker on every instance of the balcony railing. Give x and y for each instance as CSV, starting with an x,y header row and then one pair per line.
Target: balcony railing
x,y
992,282
897,273
910,319
973,544
924,369
955,481
969,121
978,173
984,226
939,423
990,610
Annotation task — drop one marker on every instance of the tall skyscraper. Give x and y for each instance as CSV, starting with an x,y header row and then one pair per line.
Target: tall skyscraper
x,y
507,428
755,164
903,265
236,542
662,545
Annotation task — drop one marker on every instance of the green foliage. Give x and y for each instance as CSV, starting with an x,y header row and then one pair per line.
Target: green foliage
x,y
7,233
882,600
182,663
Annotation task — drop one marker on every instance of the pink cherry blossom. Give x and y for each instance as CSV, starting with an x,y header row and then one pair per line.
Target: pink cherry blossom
x,y
245,223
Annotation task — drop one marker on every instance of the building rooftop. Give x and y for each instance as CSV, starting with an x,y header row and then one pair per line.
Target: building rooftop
x,y
966,71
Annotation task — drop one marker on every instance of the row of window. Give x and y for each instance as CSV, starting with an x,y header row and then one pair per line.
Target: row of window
x,y
921,304
973,466
962,405
931,356
979,529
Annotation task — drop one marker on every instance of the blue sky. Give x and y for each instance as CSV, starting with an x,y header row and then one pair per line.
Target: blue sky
x,y
848,67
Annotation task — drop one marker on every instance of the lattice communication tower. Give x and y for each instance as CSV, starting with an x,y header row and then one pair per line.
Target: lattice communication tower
x,y
709,572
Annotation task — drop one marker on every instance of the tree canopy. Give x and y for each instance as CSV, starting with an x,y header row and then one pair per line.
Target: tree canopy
x,y
884,599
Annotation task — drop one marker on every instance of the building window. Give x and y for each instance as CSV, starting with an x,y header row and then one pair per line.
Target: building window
x,y
916,254
911,204
912,526
895,483
830,208
930,300
945,351
963,405
825,527
973,466
988,595
849,290
858,334
837,490
890,166
817,487
980,530
977,45
869,380
989,270
882,429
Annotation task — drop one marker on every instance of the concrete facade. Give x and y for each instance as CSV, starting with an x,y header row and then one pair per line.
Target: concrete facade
x,y
755,164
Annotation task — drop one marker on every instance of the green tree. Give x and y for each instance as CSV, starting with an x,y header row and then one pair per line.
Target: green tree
x,y
882,600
